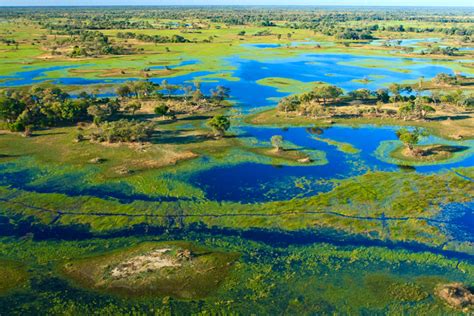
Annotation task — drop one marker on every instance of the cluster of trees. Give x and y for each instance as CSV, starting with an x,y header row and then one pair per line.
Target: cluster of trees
x,y
324,93
24,111
349,33
410,106
39,107
153,38
416,109
94,43
145,89
123,131
66,20
8,41
76,22
448,51
138,89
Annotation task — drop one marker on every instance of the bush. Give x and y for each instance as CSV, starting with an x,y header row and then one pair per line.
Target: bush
x,y
123,131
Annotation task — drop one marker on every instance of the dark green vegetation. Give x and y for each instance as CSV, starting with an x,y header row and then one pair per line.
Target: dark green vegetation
x,y
115,121
12,276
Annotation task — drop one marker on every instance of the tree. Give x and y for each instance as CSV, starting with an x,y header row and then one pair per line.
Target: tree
x,y
197,95
162,110
220,94
395,89
100,112
421,108
124,91
410,138
219,124
170,88
188,91
277,142
123,131
326,92
289,104
132,107
10,109
382,95
361,94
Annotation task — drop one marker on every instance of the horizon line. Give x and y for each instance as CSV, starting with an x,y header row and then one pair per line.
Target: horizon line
x,y
234,5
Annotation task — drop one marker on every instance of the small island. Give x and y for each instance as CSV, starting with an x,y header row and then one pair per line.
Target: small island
x,y
176,269
412,152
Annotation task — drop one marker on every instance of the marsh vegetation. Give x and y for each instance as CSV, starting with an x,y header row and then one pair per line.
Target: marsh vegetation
x,y
222,160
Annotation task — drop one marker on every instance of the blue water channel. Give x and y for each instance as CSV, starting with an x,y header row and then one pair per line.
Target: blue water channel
x,y
254,182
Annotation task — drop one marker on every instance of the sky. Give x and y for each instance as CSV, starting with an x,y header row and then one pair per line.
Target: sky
x,y
240,2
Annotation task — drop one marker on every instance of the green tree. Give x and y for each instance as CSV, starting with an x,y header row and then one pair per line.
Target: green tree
x,y
410,138
219,124
124,91
220,94
132,107
327,92
162,110
277,142
289,104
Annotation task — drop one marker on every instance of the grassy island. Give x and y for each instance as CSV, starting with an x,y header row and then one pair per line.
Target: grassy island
x,y
176,269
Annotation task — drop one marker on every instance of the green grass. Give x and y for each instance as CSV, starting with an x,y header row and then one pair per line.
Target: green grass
x,y
341,146
288,85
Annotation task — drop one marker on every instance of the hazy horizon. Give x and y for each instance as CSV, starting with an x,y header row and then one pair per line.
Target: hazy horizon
x,y
366,3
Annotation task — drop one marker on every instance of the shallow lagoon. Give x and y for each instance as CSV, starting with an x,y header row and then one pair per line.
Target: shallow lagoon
x,y
344,70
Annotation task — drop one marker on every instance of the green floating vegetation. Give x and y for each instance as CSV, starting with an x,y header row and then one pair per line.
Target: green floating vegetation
x,y
387,289
341,146
288,85
176,269
12,275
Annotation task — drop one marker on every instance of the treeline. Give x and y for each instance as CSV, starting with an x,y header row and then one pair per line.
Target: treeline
x,y
303,17
91,43
153,38
324,99
347,33
94,23
448,51
26,110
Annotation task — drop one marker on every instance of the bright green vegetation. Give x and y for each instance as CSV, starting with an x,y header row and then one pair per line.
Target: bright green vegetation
x,y
341,146
176,269
287,85
12,275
